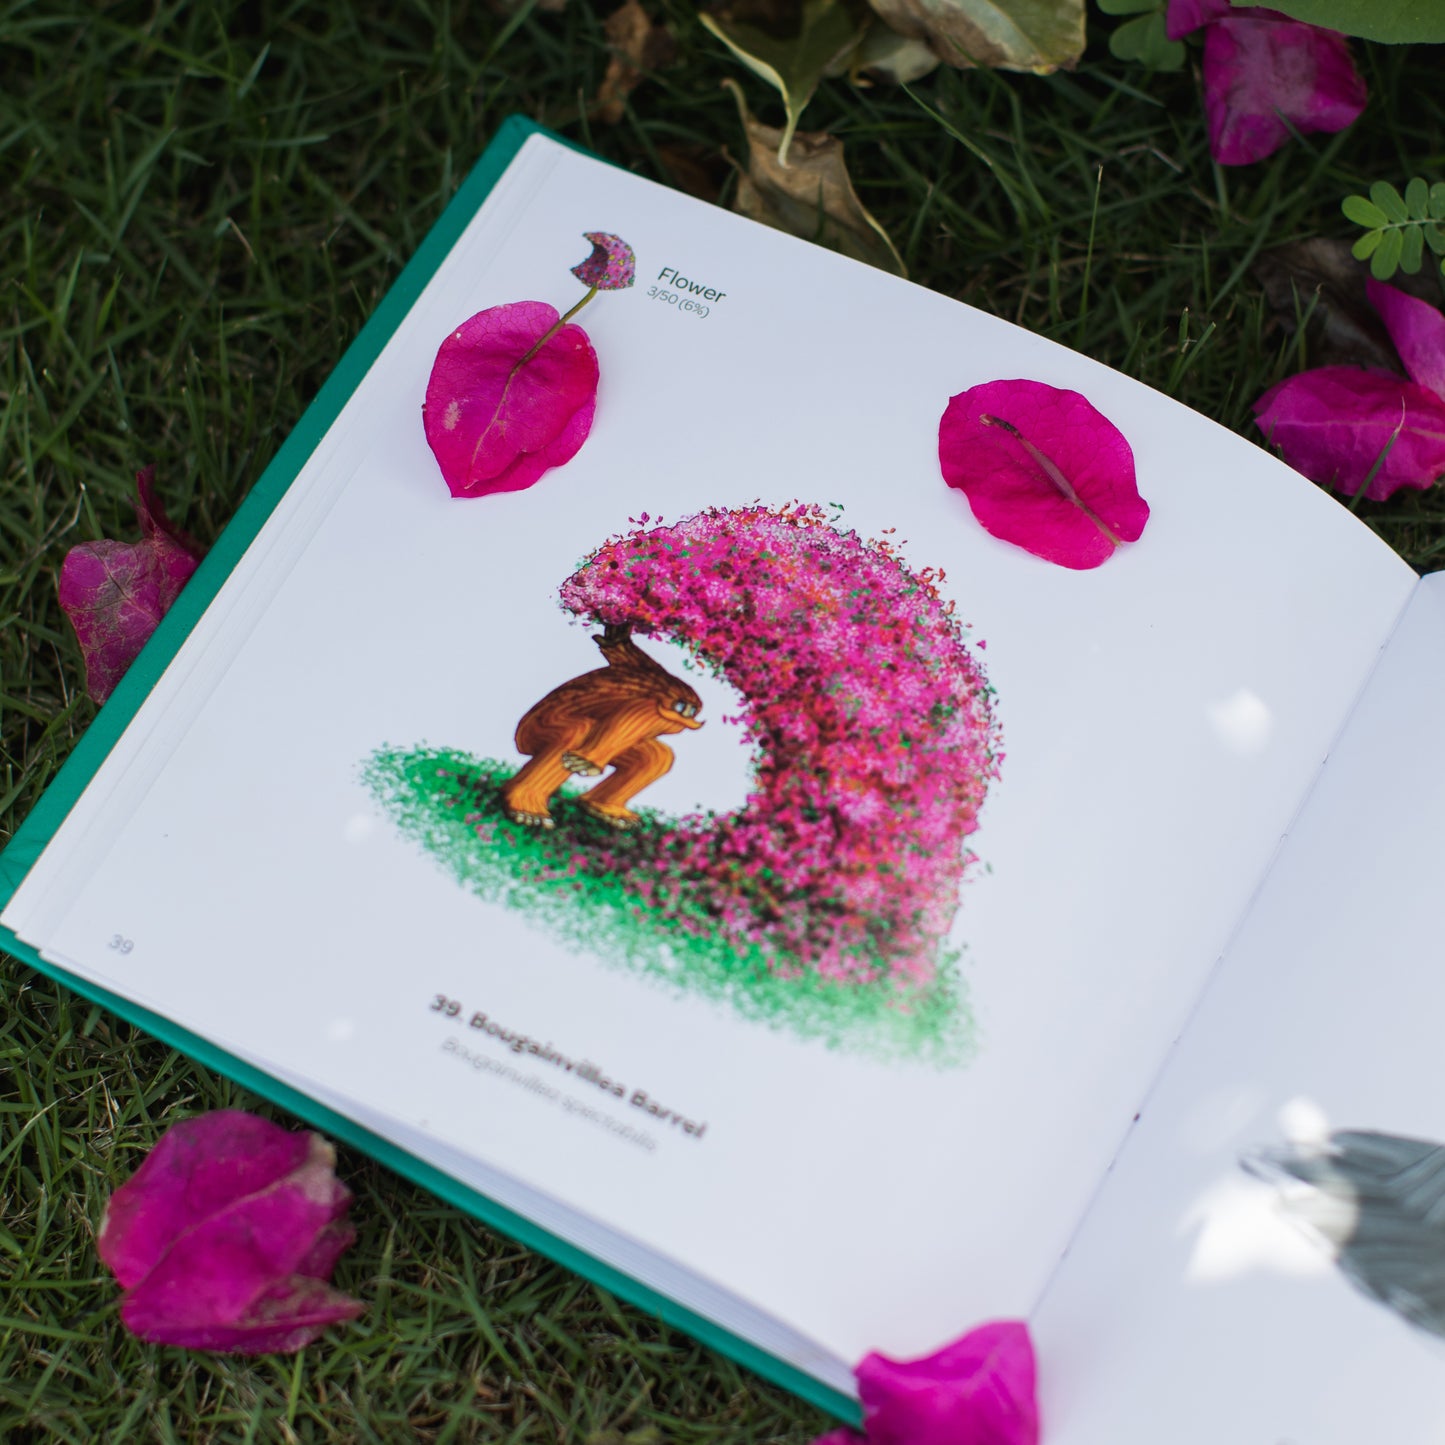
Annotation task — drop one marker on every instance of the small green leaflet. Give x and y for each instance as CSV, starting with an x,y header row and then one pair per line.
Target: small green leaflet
x,y
1396,22
1398,228
1143,38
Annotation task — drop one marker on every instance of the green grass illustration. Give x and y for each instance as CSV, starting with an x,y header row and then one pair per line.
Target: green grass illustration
x,y
574,881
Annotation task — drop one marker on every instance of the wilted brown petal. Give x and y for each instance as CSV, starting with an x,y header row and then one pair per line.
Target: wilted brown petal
x,y
1036,35
1320,277
811,196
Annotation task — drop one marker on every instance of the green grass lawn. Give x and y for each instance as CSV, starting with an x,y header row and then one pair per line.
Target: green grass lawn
x,y
202,204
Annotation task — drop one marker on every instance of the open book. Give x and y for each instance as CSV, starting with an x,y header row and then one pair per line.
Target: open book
x,y
1155,896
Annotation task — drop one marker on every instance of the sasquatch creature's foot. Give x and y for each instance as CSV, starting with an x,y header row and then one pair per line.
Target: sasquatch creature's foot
x,y
531,820
583,767
611,814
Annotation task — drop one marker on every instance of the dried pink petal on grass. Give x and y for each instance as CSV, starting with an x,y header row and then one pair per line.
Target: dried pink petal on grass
x,y
980,1390
1044,469
224,1238
1418,331
115,593
506,400
1266,75
1345,427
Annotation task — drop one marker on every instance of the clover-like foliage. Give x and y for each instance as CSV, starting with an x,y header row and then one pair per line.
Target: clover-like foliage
x,y
1143,36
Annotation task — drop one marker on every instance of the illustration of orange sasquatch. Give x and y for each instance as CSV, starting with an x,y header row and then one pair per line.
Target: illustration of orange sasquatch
x,y
612,717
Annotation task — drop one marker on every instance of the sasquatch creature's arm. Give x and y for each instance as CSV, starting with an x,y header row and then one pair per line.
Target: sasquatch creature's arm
x,y
630,724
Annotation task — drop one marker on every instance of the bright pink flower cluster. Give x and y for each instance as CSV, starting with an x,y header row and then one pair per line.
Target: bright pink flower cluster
x,y
872,726
1265,76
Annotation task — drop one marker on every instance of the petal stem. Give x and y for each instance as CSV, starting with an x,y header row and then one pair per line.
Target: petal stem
x,y
1052,472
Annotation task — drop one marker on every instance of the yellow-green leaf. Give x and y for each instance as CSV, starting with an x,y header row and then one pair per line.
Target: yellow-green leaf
x,y
1036,35
790,44
812,196
886,55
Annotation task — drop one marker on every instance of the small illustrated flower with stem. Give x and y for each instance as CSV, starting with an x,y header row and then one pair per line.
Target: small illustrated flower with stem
x,y
513,390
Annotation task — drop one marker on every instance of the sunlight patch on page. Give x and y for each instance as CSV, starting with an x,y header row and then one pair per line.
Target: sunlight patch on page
x,y
1242,722
1242,1231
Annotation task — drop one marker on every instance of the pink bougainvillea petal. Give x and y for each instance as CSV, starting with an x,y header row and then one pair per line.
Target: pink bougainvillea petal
x,y
1265,74
1335,423
1183,17
980,1390
225,1235
1418,331
511,394
197,1167
610,267
1044,469
115,593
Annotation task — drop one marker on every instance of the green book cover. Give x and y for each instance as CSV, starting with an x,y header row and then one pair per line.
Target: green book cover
x,y
28,843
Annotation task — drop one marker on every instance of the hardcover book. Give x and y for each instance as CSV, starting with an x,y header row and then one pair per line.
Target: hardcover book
x,y
729,868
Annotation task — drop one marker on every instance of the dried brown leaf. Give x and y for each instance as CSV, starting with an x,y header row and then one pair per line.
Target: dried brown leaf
x,y
699,170
1037,35
1320,278
812,196
638,45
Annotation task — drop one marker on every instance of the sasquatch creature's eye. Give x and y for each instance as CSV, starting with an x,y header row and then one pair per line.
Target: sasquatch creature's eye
x,y
680,707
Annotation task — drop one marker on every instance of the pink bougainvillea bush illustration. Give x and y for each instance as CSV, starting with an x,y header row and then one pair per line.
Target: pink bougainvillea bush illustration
x,y
825,902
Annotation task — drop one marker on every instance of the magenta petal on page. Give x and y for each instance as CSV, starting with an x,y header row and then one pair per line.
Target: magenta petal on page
x,y
1264,74
503,404
980,1390
1335,424
1418,331
1044,469
1183,17
610,267
115,593
224,1236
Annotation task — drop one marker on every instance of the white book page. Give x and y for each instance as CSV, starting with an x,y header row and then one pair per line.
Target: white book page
x,y
1190,1308
1162,717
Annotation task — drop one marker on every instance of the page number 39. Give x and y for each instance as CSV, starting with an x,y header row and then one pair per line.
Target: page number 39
x,y
119,944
